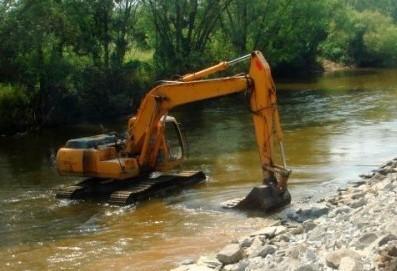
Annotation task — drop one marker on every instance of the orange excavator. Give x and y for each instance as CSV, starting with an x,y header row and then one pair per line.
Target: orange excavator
x,y
124,170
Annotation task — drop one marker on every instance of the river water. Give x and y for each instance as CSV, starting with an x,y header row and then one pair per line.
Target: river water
x,y
336,125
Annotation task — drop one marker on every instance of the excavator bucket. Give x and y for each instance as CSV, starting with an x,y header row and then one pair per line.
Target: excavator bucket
x,y
271,195
264,198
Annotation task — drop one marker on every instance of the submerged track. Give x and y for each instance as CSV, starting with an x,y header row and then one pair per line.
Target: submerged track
x,y
122,192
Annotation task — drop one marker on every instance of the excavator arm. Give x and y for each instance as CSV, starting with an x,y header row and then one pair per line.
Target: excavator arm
x,y
144,129
159,101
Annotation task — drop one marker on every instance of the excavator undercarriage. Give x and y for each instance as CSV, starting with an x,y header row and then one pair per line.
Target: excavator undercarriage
x,y
121,192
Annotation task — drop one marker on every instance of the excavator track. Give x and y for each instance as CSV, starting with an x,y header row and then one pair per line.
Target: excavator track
x,y
129,191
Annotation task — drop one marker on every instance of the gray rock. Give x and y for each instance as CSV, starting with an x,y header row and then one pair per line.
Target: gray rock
x,y
246,242
308,225
193,267
267,250
377,177
385,239
280,253
367,175
297,230
393,251
230,254
350,264
309,213
387,258
293,252
392,248
363,218
270,232
255,248
389,187
283,238
240,266
333,259
392,226
307,267
209,261
187,262
357,203
232,267
318,233
360,183
280,230
365,240
256,263
387,164
333,201
311,255
358,195
339,210
385,170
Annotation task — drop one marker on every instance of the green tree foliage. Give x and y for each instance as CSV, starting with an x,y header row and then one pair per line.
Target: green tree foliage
x,y
69,56
183,30
363,38
14,109
35,35
105,31
385,7
379,38
288,32
62,60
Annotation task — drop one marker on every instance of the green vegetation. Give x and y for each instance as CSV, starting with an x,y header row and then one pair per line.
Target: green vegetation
x,y
362,34
68,60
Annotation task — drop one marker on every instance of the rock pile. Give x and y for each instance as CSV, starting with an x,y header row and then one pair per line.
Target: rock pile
x,y
353,230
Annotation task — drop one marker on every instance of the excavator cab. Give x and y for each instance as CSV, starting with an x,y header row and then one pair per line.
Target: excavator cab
x,y
174,139
173,150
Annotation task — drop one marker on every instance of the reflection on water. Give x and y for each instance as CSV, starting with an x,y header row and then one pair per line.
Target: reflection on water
x,y
336,126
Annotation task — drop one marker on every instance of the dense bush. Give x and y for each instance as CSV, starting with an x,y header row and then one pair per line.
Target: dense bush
x,y
15,113
364,38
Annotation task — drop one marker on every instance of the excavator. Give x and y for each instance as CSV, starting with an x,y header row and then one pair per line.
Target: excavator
x,y
127,169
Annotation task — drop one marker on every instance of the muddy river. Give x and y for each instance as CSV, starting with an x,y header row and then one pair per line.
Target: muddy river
x,y
336,126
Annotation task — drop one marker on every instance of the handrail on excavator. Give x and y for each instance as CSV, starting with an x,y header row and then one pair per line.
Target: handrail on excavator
x,y
221,66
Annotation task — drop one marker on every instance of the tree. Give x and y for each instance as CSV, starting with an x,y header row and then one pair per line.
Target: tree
x,y
385,7
364,37
35,35
289,32
183,30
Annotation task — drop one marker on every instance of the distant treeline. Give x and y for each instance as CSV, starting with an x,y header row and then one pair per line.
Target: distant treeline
x,y
67,60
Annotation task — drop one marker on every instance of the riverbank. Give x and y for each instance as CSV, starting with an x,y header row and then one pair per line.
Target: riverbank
x,y
331,66
355,229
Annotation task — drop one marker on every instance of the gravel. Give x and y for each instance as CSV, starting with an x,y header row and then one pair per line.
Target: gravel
x,y
356,229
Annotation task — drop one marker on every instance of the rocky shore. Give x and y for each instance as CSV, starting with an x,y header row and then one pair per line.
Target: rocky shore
x,y
355,229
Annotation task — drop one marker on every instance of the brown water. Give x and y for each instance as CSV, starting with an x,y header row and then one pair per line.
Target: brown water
x,y
336,126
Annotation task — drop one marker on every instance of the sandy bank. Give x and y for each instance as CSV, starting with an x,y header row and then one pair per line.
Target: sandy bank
x,y
355,229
